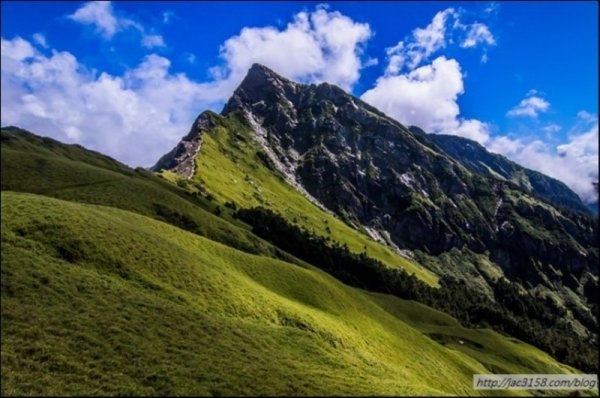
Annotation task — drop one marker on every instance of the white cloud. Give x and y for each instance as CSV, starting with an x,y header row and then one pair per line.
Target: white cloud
x,y
478,33
425,97
17,49
587,117
40,40
531,106
100,15
150,41
445,28
135,118
422,43
582,145
505,145
315,47
473,129
551,128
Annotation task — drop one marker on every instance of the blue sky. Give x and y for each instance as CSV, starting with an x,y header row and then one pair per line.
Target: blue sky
x,y
128,78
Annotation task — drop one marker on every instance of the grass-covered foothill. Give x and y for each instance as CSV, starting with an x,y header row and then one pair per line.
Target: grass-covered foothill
x,y
102,301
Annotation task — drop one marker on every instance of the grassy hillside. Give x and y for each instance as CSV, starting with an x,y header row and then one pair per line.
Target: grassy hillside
x,y
499,354
229,166
97,300
44,166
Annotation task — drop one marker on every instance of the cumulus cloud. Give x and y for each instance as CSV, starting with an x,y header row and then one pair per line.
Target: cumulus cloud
x,y
425,97
505,145
137,116
314,47
134,118
471,128
531,106
101,16
575,163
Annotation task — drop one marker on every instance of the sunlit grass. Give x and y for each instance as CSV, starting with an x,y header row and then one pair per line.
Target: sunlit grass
x,y
97,300
228,167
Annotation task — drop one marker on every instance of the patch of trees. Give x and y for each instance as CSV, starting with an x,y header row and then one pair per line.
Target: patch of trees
x,y
520,315
176,218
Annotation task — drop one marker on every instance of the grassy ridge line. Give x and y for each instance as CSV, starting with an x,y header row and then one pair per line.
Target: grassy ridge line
x,y
229,168
97,300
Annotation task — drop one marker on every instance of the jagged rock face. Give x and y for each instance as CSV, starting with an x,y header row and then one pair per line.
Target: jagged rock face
x,y
370,169
181,159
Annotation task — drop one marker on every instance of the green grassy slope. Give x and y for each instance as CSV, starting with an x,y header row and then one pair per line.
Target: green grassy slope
x,y
229,168
499,354
97,300
44,166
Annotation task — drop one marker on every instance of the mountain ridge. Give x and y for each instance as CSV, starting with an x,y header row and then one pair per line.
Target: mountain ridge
x,y
476,157
337,148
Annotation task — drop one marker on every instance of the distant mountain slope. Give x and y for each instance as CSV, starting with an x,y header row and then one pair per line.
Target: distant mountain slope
x,y
476,158
101,301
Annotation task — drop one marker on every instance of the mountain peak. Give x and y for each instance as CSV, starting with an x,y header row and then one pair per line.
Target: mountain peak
x,y
260,83
260,75
260,69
